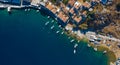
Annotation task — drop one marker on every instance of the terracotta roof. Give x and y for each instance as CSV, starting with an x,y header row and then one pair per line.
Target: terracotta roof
x,y
78,19
81,1
84,12
86,4
71,10
54,10
62,16
50,6
71,2
77,5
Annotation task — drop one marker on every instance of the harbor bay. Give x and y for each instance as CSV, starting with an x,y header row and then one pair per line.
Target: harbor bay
x,y
33,38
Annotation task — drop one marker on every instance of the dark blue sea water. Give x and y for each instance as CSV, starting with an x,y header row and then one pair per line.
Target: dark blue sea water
x,y
25,40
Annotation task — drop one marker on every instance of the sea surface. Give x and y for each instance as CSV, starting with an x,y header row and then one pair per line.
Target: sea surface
x,y
26,40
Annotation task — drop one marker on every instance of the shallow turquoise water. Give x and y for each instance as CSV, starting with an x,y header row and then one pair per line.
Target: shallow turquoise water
x,y
25,40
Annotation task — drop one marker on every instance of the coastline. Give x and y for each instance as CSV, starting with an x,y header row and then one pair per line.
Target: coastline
x,y
74,35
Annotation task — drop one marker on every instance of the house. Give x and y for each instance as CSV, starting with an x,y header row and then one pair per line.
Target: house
x,y
87,4
72,10
63,17
50,6
71,3
77,5
69,27
77,19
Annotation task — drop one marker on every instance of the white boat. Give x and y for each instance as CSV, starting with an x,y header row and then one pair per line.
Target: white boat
x,y
62,33
55,18
88,45
59,25
39,8
48,16
52,27
57,31
75,45
74,51
52,21
37,11
46,23
25,9
28,9
72,40
68,37
95,49
104,51
9,9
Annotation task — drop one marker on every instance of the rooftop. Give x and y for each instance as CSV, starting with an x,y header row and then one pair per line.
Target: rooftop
x,y
87,4
77,18
50,6
71,2
62,16
77,5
